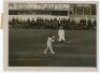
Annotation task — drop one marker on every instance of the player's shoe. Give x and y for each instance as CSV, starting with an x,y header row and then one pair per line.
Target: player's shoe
x,y
53,53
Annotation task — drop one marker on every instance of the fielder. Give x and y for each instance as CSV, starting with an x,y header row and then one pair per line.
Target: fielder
x,y
61,35
50,40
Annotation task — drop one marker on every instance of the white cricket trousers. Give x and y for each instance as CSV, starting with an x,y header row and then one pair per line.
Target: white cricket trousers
x,y
61,38
49,47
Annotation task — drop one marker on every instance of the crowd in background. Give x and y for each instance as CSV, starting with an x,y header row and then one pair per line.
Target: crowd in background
x,y
40,23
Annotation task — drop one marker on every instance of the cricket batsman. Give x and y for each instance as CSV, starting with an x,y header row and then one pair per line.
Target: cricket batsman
x,y
61,35
50,41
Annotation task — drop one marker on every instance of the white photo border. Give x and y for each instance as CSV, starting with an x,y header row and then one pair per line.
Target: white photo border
x,y
62,69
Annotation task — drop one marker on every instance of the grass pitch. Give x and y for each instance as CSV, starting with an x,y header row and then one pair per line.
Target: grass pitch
x,y
26,48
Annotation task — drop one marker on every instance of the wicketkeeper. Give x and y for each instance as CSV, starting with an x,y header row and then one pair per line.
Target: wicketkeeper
x,y
61,35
